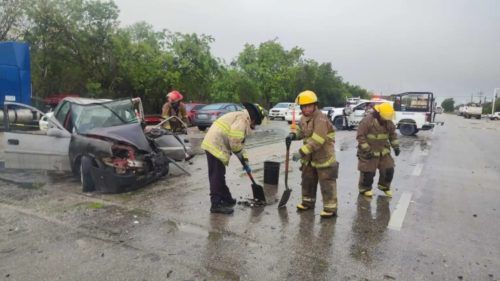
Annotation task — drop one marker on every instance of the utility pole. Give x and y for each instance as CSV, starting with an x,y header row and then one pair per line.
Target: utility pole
x,y
494,100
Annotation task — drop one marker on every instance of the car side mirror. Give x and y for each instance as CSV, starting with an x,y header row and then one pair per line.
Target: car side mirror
x,y
58,133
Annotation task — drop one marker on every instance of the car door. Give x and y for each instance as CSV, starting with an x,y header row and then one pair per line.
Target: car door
x,y
37,149
358,113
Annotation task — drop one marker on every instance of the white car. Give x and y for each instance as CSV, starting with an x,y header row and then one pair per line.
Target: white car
x,y
289,114
279,110
495,116
44,121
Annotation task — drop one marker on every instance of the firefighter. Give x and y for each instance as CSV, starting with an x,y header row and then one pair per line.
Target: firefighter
x,y
376,135
225,137
317,156
174,107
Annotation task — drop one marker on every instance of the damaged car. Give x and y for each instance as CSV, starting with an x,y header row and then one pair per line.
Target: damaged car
x,y
101,141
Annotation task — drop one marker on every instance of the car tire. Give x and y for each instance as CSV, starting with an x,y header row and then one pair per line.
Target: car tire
x,y
85,176
271,118
338,123
165,169
202,128
407,129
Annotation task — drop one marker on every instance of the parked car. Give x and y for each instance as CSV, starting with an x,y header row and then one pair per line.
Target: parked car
x,y
100,141
191,109
289,114
206,115
153,119
279,110
495,116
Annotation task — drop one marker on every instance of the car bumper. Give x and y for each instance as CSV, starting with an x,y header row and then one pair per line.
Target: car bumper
x,y
203,122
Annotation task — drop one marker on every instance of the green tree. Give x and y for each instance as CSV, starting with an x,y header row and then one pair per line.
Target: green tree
x,y
271,68
12,18
194,67
448,105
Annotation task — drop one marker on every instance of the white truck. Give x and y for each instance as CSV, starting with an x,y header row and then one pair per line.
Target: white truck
x,y
472,110
414,111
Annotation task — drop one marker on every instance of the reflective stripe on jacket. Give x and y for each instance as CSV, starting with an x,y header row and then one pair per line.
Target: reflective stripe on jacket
x,y
319,138
168,111
227,135
378,138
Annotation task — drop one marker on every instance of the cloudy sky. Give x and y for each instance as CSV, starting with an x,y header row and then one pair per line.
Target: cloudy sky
x,y
449,47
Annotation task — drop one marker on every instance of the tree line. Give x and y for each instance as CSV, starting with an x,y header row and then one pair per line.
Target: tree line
x,y
77,46
449,105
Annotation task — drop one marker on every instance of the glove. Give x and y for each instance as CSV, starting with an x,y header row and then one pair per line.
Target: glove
x,y
243,159
247,168
397,151
290,138
296,156
367,155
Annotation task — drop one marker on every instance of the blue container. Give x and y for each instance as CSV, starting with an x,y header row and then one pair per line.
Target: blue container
x,y
15,72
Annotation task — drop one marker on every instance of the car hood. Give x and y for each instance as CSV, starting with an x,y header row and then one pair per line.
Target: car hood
x,y
129,133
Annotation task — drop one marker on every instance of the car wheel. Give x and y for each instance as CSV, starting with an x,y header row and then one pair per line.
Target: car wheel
x,y
165,169
407,129
85,177
202,128
338,123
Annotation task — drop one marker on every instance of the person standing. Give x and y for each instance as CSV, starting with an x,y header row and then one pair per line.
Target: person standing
x,y
225,137
174,107
317,155
376,135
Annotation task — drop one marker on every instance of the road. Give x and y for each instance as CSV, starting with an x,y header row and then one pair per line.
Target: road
x,y
443,222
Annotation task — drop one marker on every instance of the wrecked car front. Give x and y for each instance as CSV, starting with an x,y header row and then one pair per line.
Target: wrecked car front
x,y
123,157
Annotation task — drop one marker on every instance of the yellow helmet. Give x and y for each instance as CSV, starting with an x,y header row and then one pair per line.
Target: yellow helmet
x,y
385,110
306,97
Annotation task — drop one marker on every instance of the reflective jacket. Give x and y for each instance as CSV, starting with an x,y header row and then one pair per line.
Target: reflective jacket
x,y
319,138
227,135
372,136
168,111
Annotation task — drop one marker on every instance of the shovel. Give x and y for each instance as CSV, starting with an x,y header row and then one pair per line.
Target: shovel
x,y
257,190
288,191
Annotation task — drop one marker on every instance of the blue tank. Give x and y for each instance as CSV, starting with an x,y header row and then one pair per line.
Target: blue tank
x,y
15,73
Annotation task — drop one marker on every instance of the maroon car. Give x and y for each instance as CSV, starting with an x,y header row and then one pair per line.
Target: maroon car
x,y
191,109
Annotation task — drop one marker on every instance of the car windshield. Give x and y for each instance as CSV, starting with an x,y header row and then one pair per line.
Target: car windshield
x,y
282,105
103,115
198,106
214,106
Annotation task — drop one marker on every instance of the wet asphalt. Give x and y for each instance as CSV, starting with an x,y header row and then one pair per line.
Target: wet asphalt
x,y
443,222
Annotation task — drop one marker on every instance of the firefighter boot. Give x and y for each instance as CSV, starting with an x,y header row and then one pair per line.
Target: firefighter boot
x,y
220,208
365,183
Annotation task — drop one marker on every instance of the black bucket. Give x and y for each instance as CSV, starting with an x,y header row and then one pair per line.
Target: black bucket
x,y
271,172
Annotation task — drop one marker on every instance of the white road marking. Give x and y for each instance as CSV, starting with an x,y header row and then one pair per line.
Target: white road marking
x,y
418,169
398,216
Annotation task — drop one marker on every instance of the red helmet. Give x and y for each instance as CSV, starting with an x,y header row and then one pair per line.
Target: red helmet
x,y
174,96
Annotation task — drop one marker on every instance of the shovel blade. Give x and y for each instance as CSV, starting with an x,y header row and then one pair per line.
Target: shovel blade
x,y
284,198
258,192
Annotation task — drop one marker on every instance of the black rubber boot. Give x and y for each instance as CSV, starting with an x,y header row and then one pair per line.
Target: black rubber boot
x,y
220,208
230,202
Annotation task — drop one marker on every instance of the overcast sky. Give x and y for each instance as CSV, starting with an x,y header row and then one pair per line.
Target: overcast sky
x,y
449,47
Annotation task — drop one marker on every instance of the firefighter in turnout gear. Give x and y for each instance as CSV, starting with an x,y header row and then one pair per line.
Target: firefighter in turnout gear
x,y
225,137
376,135
174,107
317,156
